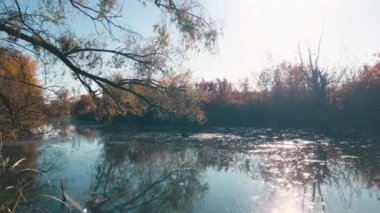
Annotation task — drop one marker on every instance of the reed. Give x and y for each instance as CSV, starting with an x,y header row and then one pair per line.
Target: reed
x,y
13,181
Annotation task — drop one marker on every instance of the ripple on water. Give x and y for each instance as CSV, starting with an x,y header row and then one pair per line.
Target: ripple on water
x,y
257,170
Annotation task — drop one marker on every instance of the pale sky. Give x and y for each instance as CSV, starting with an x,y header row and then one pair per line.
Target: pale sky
x,y
260,33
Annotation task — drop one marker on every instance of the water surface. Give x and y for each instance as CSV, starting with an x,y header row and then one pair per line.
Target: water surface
x,y
213,170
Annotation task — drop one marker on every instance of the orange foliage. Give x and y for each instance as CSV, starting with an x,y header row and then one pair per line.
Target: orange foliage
x,y
21,97
19,67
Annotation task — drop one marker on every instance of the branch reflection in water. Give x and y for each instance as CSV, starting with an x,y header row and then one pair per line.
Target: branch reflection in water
x,y
235,170
130,176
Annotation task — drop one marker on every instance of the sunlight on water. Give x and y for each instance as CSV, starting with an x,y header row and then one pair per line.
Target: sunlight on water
x,y
210,136
239,170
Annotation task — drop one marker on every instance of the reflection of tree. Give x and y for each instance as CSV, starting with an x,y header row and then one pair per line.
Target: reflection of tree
x,y
130,177
358,156
312,168
282,164
308,168
167,176
145,176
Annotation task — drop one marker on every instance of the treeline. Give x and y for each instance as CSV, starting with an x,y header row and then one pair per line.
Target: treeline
x,y
26,104
288,95
174,101
297,95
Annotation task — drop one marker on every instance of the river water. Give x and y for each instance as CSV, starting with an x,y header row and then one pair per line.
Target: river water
x,y
210,170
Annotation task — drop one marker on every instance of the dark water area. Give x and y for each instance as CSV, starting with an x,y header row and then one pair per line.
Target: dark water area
x,y
211,170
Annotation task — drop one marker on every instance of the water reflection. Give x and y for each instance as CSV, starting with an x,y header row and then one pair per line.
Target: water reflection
x,y
130,176
219,170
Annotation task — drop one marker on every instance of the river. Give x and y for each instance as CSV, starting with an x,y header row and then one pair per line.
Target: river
x,y
209,170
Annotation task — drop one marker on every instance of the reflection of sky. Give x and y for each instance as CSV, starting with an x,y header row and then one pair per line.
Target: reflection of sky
x,y
272,184
246,174
232,191
72,161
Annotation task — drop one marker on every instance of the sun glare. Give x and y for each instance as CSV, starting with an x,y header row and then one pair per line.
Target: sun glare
x,y
258,33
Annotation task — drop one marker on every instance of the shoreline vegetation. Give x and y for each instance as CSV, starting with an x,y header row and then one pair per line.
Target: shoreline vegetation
x,y
287,96
132,79
129,78
295,96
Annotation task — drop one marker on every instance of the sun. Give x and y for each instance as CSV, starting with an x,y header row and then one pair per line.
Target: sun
x,y
258,32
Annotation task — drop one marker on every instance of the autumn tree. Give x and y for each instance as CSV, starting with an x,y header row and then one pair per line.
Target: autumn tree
x,y
181,97
60,106
223,102
108,44
357,100
177,97
84,107
21,96
117,103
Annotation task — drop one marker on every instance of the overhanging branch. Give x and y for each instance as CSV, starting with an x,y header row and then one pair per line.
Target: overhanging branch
x,y
38,41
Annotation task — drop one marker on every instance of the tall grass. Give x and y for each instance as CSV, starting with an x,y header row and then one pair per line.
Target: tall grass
x,y
13,180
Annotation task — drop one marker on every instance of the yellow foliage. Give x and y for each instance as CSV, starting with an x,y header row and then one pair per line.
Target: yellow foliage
x,y
21,98
18,67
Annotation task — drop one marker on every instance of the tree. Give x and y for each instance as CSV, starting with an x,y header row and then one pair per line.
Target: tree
x,y
181,97
60,107
84,107
42,28
21,97
117,103
358,99
176,95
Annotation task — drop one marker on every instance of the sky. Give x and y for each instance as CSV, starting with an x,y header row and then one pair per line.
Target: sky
x,y
261,33
258,34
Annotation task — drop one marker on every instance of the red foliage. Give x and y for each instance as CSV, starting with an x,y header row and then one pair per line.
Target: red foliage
x,y
371,75
84,105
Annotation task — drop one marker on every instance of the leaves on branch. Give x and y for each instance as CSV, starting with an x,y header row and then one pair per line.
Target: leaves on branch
x,y
44,29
